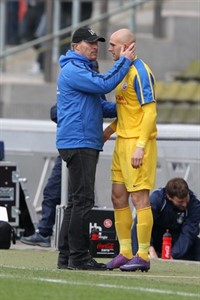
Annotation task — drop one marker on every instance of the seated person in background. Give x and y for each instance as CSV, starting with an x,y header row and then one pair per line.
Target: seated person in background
x,y
51,198
174,207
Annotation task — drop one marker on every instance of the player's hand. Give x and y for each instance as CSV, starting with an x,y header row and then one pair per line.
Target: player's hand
x,y
128,52
137,157
152,253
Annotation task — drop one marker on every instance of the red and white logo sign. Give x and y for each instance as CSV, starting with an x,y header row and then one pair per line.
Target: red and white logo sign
x,y
107,223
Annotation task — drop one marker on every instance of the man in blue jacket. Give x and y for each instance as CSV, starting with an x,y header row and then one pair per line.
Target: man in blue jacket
x,y
79,140
174,207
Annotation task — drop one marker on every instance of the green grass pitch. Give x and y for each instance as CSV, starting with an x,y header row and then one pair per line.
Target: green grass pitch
x,y
31,274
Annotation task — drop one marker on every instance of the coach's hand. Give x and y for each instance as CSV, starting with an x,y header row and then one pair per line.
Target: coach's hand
x,y
128,52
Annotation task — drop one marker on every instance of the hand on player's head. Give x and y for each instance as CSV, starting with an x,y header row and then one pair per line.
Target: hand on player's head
x,y
129,52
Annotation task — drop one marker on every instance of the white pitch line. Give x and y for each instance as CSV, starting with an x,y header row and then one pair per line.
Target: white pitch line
x,y
109,286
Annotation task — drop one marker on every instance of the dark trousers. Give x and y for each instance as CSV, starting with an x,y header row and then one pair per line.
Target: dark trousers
x,y
74,234
12,23
31,21
51,198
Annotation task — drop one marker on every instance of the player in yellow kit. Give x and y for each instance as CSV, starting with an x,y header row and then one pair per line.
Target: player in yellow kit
x,y
133,169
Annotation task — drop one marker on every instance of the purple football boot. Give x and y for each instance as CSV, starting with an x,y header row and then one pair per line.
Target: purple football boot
x,y
117,262
136,263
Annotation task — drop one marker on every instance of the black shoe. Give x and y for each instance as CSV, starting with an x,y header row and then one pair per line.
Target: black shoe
x,y
88,265
62,262
62,266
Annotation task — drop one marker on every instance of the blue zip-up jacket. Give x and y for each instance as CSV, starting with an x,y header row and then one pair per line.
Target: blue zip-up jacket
x,y
80,107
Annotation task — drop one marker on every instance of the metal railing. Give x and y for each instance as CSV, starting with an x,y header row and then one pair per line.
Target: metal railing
x,y
49,40
31,144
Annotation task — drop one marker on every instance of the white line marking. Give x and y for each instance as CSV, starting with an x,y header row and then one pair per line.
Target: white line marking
x,y
101,285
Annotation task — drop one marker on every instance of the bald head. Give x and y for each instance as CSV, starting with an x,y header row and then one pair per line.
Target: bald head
x,y
123,36
120,39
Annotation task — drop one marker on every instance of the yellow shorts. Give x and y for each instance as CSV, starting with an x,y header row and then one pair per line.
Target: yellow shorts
x,y
122,170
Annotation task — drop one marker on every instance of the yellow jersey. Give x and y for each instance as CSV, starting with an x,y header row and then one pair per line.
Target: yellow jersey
x,y
132,94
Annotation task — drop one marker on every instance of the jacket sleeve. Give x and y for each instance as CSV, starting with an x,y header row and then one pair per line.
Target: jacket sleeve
x,y
109,109
188,233
92,82
157,201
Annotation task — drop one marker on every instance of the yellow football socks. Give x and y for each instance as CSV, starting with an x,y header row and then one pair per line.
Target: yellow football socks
x,y
123,223
144,228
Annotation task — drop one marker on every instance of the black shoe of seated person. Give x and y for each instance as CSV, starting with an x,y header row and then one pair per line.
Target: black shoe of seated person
x,y
37,240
